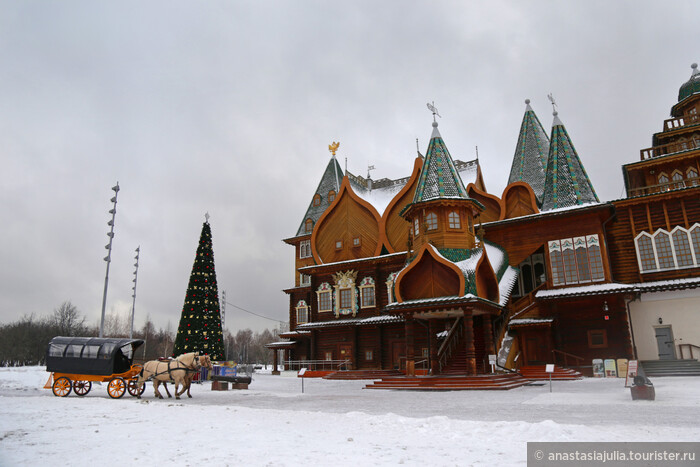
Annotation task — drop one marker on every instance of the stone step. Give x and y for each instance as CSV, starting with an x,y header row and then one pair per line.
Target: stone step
x,y
451,383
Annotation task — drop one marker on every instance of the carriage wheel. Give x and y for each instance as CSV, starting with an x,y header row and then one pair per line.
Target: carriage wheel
x,y
133,388
116,387
82,387
61,387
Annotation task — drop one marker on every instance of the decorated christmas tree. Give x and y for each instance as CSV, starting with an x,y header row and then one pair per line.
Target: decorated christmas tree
x,y
200,322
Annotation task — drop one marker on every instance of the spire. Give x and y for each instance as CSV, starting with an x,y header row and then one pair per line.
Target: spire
x,y
439,177
530,158
330,181
566,182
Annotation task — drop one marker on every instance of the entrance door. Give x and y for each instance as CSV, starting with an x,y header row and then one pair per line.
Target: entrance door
x,y
346,354
397,351
664,339
537,343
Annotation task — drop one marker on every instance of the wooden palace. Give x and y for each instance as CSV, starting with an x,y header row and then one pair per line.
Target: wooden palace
x,y
432,274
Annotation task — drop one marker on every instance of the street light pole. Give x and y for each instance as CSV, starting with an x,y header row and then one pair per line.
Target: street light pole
x,y
133,305
108,258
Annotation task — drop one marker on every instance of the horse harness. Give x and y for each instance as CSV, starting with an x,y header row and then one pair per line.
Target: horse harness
x,y
169,371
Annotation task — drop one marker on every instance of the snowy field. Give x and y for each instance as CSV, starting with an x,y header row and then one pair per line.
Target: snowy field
x,y
331,423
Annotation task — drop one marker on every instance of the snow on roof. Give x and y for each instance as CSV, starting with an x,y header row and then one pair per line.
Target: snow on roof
x,y
597,289
505,286
281,344
419,301
356,260
353,322
530,321
380,197
556,211
613,287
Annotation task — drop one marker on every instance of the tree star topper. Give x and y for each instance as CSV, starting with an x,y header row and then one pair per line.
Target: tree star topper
x,y
333,147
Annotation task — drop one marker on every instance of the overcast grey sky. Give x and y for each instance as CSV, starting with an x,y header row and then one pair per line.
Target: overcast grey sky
x,y
228,107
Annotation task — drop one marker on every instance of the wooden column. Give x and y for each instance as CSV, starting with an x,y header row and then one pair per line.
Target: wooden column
x,y
312,346
275,371
355,348
380,352
488,335
410,355
469,342
433,326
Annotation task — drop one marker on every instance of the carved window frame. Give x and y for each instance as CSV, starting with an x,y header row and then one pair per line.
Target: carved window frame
x,y
367,287
324,288
305,249
345,284
676,248
390,287
302,312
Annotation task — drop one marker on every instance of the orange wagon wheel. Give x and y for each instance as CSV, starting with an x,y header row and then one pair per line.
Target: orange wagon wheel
x,y
61,387
116,387
82,387
133,387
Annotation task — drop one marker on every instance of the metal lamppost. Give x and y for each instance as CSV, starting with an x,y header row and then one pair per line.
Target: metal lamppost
x,y
108,258
133,305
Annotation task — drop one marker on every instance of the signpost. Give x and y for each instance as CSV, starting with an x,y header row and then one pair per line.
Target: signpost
x,y
631,372
549,368
301,375
492,362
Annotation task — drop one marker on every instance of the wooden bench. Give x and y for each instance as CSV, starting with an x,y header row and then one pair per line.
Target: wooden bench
x,y
220,383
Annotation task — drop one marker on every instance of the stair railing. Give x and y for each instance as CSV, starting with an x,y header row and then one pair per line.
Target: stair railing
x,y
566,355
454,336
522,305
690,349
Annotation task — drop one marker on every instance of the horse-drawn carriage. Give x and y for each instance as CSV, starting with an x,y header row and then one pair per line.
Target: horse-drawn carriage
x,y
77,362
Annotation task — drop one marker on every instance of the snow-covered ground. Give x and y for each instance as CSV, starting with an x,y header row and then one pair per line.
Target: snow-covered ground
x,y
331,423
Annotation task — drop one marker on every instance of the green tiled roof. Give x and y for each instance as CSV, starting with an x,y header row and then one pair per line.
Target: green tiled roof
x,y
530,159
330,180
566,181
439,177
692,86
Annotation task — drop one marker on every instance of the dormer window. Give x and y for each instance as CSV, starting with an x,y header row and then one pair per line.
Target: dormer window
x,y
431,221
317,200
308,225
453,218
331,196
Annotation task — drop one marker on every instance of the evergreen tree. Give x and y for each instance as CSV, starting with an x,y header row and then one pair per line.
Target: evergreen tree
x,y
200,322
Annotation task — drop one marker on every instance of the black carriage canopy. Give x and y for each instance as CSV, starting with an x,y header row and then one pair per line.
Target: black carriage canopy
x,y
91,355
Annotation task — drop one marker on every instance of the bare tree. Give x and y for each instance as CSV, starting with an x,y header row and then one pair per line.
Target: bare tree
x,y
67,320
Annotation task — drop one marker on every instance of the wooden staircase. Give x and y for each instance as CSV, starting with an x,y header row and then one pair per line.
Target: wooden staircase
x,y
451,383
538,373
363,374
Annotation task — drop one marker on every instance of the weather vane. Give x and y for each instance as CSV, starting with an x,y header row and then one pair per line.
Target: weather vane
x,y
433,109
333,147
551,99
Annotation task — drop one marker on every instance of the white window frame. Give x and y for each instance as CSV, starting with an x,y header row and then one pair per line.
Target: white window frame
x,y
305,249
304,279
571,243
390,287
324,288
695,255
367,283
302,310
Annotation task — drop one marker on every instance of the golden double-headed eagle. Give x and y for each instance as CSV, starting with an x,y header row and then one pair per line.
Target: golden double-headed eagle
x,y
333,147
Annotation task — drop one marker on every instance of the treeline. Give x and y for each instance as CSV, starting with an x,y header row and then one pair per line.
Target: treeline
x,y
24,342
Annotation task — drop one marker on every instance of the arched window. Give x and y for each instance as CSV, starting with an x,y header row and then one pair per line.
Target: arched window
x,y
692,176
681,245
317,200
663,178
695,238
331,196
308,225
453,218
431,221
677,176
302,312
647,259
664,254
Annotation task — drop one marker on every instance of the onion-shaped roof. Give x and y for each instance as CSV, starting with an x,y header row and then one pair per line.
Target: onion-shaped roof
x,y
692,86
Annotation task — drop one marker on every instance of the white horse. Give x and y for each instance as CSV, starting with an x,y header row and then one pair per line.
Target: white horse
x,y
175,370
205,362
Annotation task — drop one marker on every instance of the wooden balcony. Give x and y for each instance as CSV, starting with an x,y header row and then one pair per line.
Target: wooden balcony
x,y
680,122
672,148
664,187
